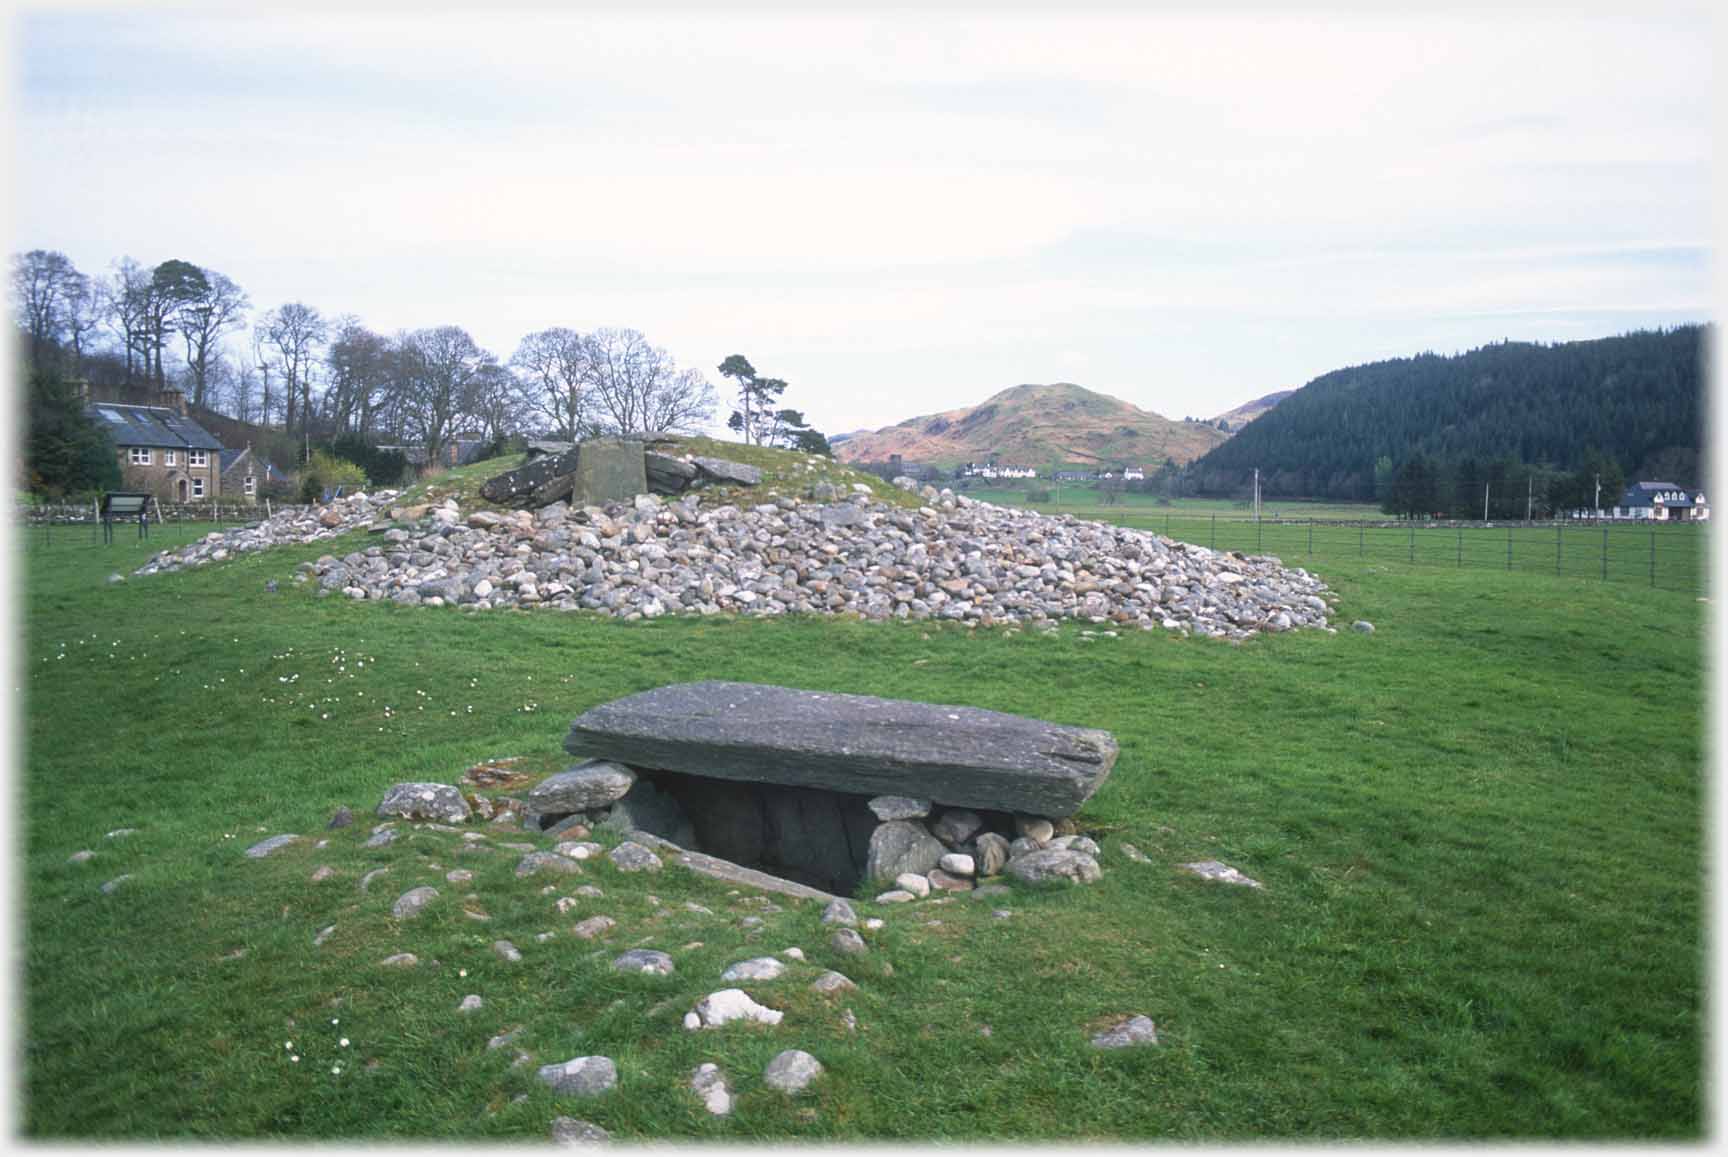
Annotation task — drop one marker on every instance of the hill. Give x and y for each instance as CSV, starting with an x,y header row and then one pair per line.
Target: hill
x,y
1033,425
1637,398
1232,421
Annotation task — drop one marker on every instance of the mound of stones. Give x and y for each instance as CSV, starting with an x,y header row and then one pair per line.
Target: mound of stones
x,y
953,559
608,469
832,790
294,524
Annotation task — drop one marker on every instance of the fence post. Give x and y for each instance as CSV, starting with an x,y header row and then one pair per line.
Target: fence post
x,y
1604,552
1558,530
1213,545
1652,555
1508,548
1460,546
1310,538
1412,540
1257,534
1361,539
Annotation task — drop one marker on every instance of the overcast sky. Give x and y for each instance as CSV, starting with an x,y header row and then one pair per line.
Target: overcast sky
x,y
901,214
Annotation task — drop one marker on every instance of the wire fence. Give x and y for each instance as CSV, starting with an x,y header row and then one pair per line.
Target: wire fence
x,y
1669,556
174,524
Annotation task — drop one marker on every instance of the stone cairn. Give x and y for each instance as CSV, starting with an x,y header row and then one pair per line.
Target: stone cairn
x,y
817,785
828,552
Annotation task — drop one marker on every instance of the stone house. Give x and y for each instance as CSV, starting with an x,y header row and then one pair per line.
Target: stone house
x,y
162,451
244,473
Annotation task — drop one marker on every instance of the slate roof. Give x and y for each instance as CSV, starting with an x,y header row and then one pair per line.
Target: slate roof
x,y
151,426
1644,494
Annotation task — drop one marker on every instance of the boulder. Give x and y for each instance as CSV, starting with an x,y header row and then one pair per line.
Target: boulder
x,y
580,1076
425,801
667,475
902,846
859,744
593,783
791,1071
525,486
719,470
1055,865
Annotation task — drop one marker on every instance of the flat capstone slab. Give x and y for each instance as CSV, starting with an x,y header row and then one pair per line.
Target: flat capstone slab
x,y
860,744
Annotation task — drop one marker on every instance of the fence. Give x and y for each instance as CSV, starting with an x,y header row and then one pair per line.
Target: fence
x,y
1670,556
74,524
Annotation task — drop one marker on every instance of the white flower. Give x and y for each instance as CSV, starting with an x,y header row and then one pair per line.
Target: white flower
x,y
293,1058
343,1042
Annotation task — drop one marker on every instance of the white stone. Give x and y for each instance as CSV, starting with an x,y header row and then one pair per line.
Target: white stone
x,y
727,1005
709,1084
760,968
791,1071
958,863
914,883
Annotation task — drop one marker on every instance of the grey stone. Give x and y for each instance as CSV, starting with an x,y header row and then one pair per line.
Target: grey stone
x,y
1134,853
112,886
425,801
594,926
506,951
630,856
991,851
850,743
579,849
471,1003
535,862
667,475
400,960
955,826
574,827
1134,1030
323,935
902,846
646,808
839,912
594,783
831,982
544,480
727,1005
760,968
580,1076
709,1085
570,1131
82,857
791,1071
1362,625
644,960
264,847
1034,828
958,864
381,839
607,470
896,896
1023,846
324,872
1053,865
847,942
410,903
899,807
811,831
459,876
948,882
915,883
120,833
1219,871
366,880
341,818
505,1037
727,473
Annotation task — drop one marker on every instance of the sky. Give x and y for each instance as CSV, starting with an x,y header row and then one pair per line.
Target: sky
x,y
900,214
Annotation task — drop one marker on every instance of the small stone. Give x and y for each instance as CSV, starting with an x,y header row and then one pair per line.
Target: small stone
x,y
120,833
323,935
839,912
400,960
761,968
872,924
1023,846
410,903
570,1131
848,1019
848,942
1362,625
992,851
958,864
343,817
709,1084
899,807
506,951
645,960
109,888
914,883
1034,828
580,1076
543,937
1221,872
948,882
792,953
594,926
505,1037
324,872
425,801
727,1005
366,880
82,857
1134,853
535,862
264,847
631,856
1135,1030
791,1071
470,1003
565,904
955,826
590,891
382,839
896,896
579,849
459,876
831,982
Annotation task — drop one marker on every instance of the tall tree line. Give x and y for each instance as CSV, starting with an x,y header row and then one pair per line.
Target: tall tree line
x,y
1636,400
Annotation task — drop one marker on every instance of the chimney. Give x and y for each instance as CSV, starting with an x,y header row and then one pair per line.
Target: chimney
x,y
175,400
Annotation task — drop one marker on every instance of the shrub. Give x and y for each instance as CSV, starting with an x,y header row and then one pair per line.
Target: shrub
x,y
1037,495
328,472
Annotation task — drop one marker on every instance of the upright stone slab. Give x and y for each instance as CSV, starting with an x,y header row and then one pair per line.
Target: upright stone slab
x,y
526,485
852,743
608,470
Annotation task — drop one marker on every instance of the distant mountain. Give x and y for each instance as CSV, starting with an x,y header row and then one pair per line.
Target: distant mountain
x,y
1638,398
1232,421
1035,425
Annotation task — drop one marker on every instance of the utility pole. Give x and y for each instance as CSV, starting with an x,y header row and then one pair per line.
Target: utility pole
x,y
1256,494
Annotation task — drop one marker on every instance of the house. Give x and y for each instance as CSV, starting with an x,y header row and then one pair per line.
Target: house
x,y
161,450
992,470
1662,502
1134,474
243,472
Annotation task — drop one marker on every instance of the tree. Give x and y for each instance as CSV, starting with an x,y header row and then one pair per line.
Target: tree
x,y
291,335
210,307
126,306
67,452
753,419
1415,491
555,374
791,431
638,387
43,281
172,284
359,366
436,370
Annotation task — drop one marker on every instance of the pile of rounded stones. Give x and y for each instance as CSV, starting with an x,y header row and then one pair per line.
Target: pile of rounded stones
x,y
827,552
293,524
812,785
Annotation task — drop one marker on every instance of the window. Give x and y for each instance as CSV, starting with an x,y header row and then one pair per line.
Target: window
x,y
249,484
197,488
197,458
139,455
170,458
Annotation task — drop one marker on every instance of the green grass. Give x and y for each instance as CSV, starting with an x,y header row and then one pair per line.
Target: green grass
x,y
1479,831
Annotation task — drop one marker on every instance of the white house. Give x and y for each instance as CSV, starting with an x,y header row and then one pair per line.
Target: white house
x,y
1662,502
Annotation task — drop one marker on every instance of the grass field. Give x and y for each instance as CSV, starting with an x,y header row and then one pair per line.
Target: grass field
x,y
1479,830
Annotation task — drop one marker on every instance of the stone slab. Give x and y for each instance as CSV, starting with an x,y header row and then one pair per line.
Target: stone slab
x,y
760,733
717,869
607,470
521,486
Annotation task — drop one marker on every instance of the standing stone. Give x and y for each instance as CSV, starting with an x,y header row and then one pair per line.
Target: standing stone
x,y
901,846
580,1076
594,783
608,470
425,801
791,1071
646,808
410,903
709,1084
851,743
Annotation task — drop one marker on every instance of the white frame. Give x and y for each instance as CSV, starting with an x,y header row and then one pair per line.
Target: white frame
x,y
140,456
170,458
197,487
197,458
249,485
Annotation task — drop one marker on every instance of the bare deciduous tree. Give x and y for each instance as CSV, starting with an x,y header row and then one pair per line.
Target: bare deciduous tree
x,y
359,367
437,372
639,388
42,281
554,372
292,335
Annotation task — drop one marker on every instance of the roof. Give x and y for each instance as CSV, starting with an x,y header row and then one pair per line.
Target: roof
x,y
151,426
1646,494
